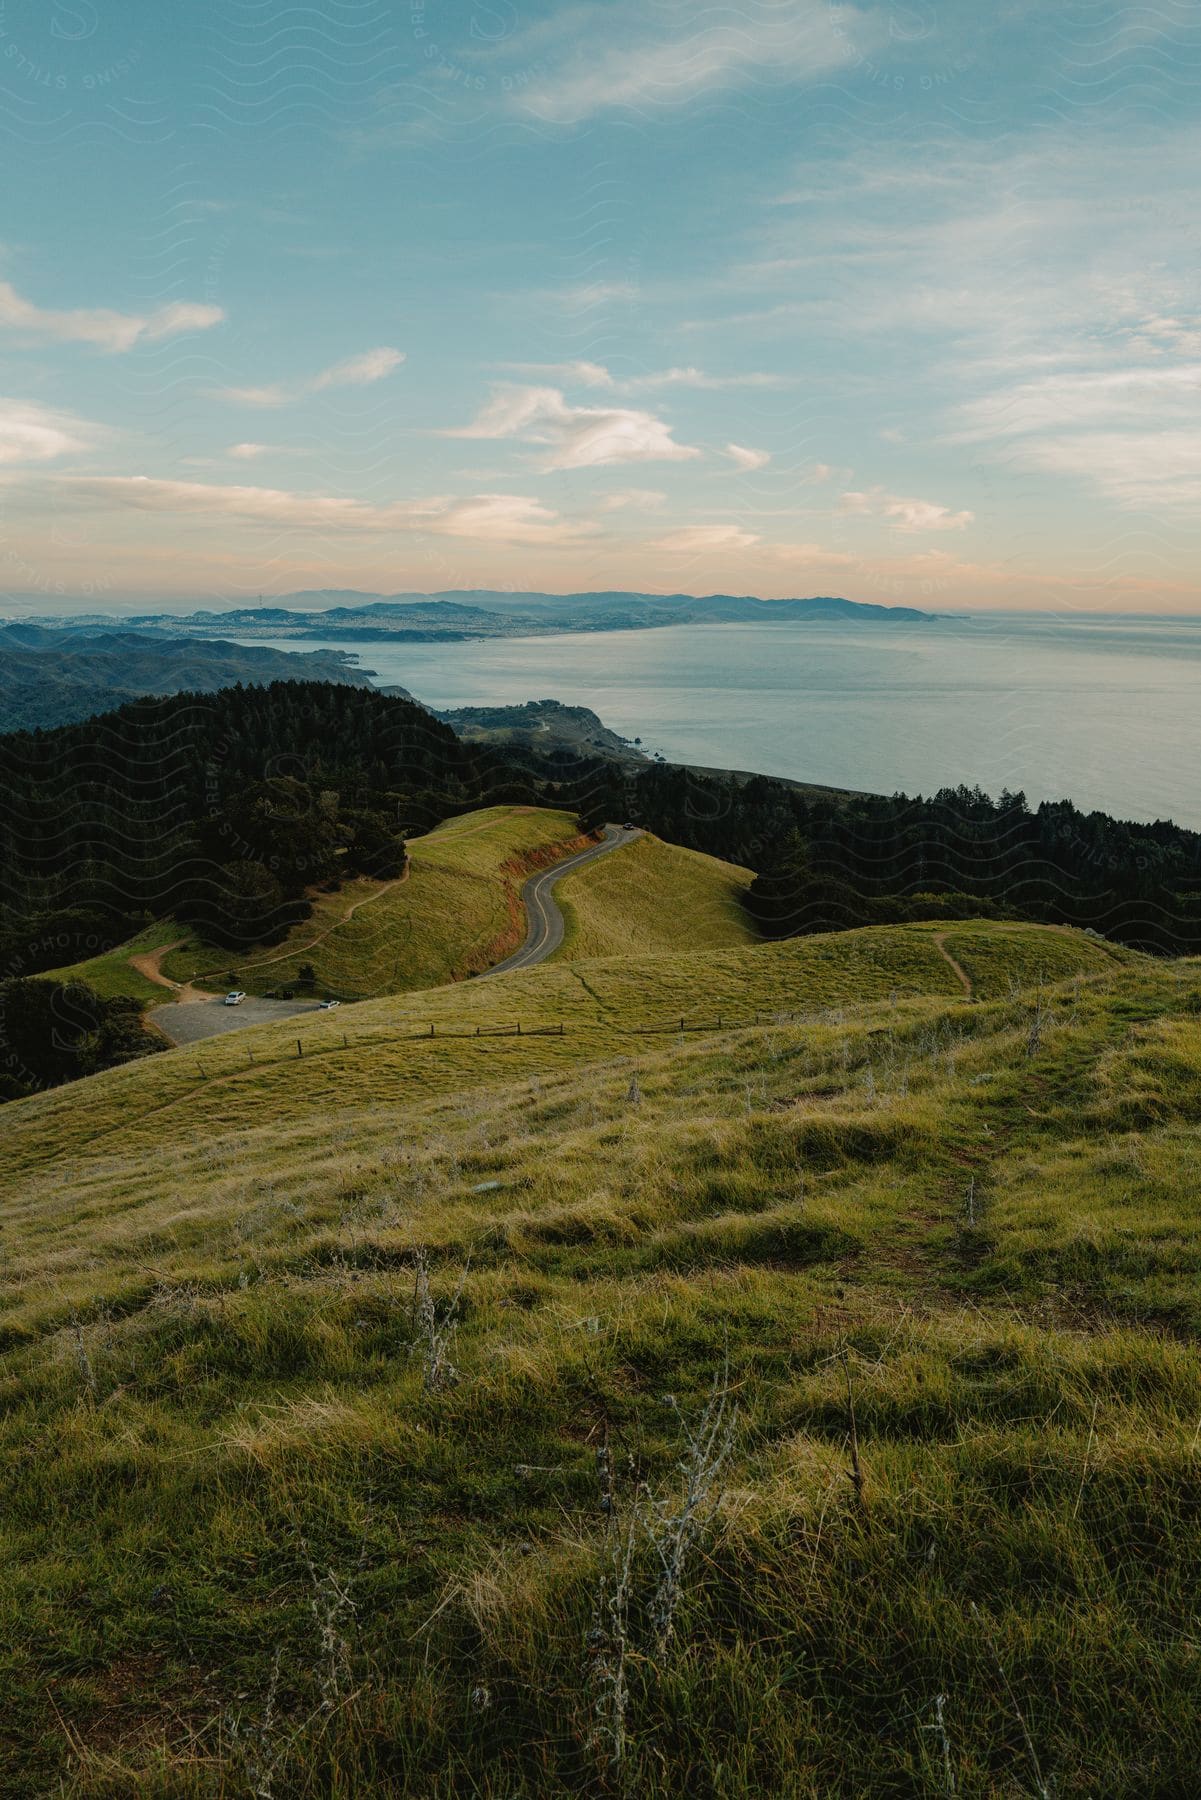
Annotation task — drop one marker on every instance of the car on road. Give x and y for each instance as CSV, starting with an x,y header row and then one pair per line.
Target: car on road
x,y
329,1005
235,997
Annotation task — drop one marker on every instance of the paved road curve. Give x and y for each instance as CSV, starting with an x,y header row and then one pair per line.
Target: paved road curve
x,y
203,1016
545,924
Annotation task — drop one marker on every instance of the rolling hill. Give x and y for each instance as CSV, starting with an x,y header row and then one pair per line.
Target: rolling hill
x,y
651,896
803,1405
454,913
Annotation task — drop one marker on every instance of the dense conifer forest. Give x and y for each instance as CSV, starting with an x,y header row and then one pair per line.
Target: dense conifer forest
x,y
223,810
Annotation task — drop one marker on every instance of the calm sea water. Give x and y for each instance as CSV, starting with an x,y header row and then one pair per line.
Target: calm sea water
x,y
1106,712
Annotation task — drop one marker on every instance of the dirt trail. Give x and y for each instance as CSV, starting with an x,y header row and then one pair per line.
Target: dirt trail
x,y
148,963
265,962
940,938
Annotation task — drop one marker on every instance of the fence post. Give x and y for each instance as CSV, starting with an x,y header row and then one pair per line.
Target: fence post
x,y
299,1048
431,1028
681,1024
560,1028
519,1027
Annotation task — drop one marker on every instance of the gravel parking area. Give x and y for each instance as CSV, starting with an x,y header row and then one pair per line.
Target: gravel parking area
x,y
189,1021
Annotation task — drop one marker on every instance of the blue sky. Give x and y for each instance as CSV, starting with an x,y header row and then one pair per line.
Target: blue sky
x,y
893,301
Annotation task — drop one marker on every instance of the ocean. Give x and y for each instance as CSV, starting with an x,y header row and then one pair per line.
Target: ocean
x,y
1103,711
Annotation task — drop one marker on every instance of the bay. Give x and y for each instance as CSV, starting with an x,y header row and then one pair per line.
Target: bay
x,y
1101,710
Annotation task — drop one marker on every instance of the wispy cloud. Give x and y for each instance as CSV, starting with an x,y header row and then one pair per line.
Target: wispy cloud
x,y
625,55
578,374
1132,434
30,433
115,332
1074,398
497,518
355,371
901,513
635,500
593,374
692,540
1153,470
690,377
746,458
576,437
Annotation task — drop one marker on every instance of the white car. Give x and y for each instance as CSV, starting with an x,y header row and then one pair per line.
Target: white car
x,y
329,1005
235,998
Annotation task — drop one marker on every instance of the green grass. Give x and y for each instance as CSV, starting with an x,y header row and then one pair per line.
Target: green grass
x,y
455,914
110,975
652,897
955,1238
381,1053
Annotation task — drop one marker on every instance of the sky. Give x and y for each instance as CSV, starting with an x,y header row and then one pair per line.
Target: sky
x,y
786,297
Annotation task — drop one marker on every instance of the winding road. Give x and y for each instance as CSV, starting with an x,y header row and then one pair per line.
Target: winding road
x,y
544,919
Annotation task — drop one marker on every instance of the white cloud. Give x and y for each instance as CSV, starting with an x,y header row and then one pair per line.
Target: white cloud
x,y
636,499
1159,337
507,518
1147,470
359,371
256,396
356,371
30,433
902,513
690,377
577,437
248,452
632,56
496,518
747,458
697,539
582,374
1132,434
112,331
1070,399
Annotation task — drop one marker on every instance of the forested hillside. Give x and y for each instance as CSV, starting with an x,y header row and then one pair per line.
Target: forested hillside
x,y
219,809
50,678
227,810
828,862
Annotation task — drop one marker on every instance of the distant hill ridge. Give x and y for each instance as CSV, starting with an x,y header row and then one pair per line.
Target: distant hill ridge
x,y
54,677
486,612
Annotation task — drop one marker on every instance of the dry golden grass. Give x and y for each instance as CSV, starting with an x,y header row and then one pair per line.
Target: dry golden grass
x,y
650,897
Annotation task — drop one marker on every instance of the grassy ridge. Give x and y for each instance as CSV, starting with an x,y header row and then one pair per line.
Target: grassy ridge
x,y
110,974
381,1054
650,897
453,915
942,1254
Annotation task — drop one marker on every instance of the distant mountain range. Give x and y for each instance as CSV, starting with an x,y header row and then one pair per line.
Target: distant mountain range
x,y
486,612
54,677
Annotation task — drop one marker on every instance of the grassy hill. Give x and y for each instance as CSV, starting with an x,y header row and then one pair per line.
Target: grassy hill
x,y
803,1407
386,1052
112,973
455,913
650,896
